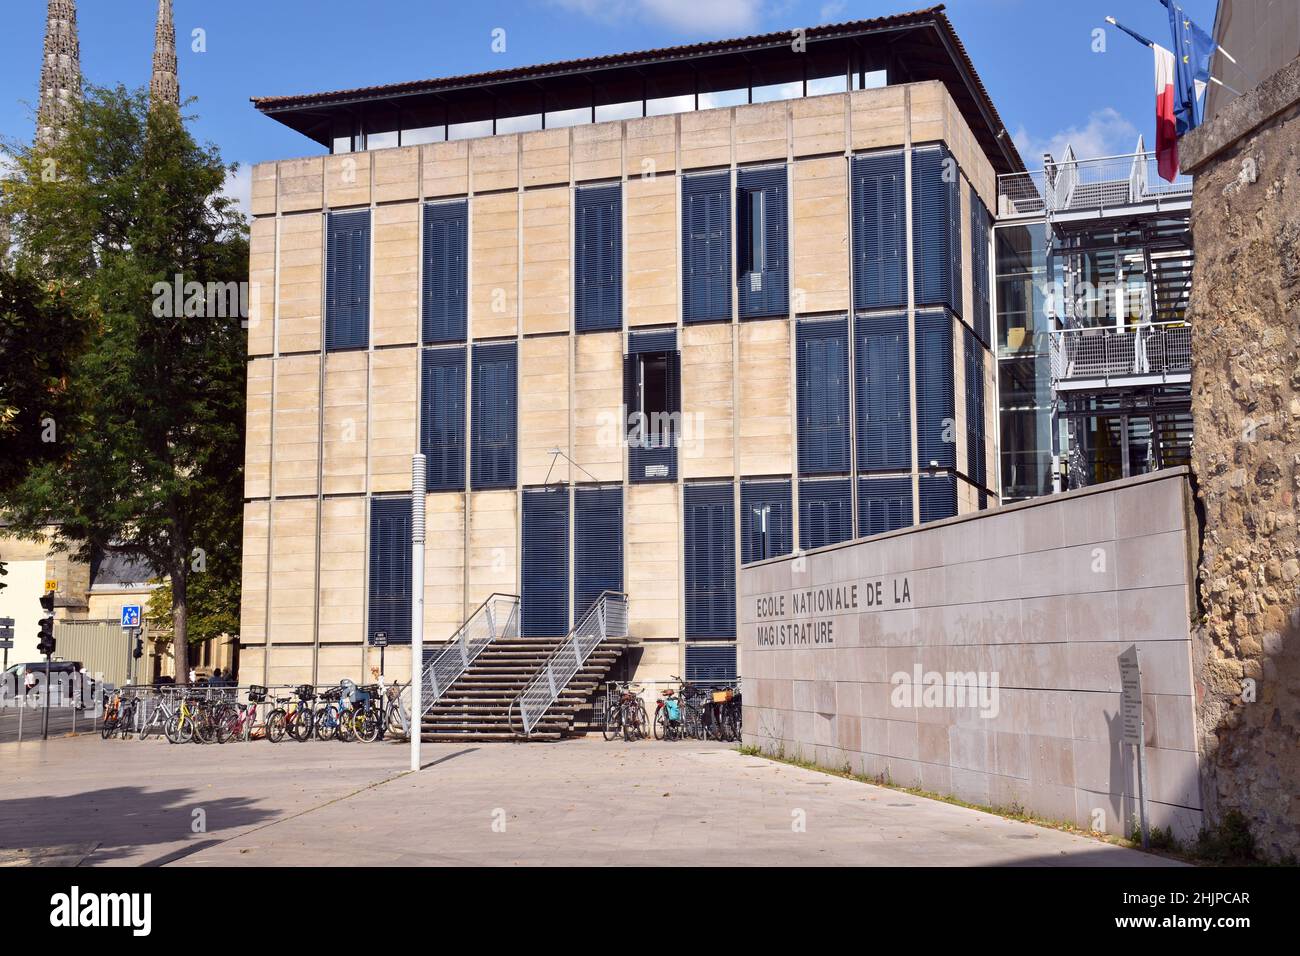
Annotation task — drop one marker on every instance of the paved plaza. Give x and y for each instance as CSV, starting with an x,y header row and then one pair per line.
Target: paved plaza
x,y
82,800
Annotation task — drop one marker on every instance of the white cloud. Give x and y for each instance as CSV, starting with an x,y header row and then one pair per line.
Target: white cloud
x,y
1107,133
688,16
833,11
239,187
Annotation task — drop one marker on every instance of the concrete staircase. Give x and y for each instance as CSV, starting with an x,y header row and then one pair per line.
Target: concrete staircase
x,y
478,706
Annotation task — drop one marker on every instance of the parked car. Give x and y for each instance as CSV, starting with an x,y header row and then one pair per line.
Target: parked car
x,y
16,675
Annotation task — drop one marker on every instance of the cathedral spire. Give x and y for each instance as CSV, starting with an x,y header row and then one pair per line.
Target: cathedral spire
x,y
60,69
164,86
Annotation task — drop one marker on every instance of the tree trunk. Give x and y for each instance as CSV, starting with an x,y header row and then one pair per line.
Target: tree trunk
x,y
180,625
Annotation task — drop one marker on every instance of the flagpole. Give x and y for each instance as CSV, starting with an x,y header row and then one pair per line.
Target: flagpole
x,y
1133,33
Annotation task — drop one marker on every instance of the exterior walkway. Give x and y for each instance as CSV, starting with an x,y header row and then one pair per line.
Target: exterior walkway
x,y
88,801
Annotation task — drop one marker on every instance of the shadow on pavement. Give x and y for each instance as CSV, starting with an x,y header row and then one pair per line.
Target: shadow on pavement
x,y
121,820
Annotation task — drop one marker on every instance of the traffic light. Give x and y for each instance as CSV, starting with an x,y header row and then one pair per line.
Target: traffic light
x,y
139,648
45,644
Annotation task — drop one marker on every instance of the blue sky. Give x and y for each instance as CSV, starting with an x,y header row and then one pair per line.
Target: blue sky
x,y
1035,56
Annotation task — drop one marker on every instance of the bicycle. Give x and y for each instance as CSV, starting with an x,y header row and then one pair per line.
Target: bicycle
x,y
112,713
668,716
626,717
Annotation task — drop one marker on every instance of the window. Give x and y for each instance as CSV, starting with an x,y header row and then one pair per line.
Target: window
x,y
710,562
711,664
938,497
652,396
883,402
347,282
823,396
935,413
884,504
598,258
765,525
825,513
976,464
444,297
936,228
879,231
442,418
706,248
493,418
390,570
980,226
545,598
761,223
597,545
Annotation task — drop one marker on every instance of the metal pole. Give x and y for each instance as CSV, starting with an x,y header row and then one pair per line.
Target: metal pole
x,y
417,604
45,729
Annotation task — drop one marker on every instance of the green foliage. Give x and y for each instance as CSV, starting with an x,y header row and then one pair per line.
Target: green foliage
x,y
1230,842
150,458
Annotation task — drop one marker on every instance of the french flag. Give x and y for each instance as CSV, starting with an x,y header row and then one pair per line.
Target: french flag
x,y
1166,126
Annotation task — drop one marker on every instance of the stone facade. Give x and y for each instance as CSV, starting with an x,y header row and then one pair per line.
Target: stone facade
x,y
1246,456
1024,611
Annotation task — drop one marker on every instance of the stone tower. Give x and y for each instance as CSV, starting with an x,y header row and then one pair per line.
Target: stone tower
x,y
164,86
60,69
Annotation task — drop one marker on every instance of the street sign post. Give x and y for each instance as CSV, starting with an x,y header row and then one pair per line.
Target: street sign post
x,y
131,616
6,637
380,640
1132,730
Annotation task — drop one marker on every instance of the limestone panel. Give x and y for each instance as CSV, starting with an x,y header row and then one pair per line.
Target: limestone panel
x,y
302,184
257,418
650,264
494,265
252,594
543,409
394,418
343,571
347,180
293,571
545,157
928,115
548,275
821,235
598,436
494,162
598,151
300,283
707,402
265,176
397,174
762,132
652,554
261,291
395,285
651,146
493,545
706,138
765,418
297,425
344,432
878,118
446,168
444,565
818,124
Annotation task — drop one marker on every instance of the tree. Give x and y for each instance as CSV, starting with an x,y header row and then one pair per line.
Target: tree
x,y
124,206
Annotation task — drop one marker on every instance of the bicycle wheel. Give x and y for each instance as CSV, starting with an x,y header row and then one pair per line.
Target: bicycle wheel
x,y
661,723
642,721
326,722
275,726
613,722
367,726
301,726
343,733
108,727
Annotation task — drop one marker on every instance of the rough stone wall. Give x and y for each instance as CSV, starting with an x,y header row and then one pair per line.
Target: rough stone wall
x,y
1245,309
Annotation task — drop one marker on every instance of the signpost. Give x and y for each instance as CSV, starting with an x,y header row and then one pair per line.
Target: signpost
x,y
1132,730
380,640
6,637
130,624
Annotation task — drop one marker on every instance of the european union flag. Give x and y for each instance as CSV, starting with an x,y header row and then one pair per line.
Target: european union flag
x,y
1193,48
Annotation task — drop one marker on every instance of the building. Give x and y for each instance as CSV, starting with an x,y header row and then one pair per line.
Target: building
x,y
649,316
1093,270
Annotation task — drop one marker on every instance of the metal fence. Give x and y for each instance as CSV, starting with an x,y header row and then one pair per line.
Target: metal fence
x,y
1085,185
102,647
497,617
1107,354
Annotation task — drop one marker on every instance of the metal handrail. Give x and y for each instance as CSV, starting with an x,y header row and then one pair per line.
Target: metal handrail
x,y
1072,185
496,617
606,618
1107,353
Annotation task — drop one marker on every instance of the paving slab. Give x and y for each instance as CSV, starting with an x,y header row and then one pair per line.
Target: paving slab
x,y
93,802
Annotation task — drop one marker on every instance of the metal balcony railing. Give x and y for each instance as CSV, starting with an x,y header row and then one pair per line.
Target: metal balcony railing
x,y
497,617
1114,355
1087,185
606,618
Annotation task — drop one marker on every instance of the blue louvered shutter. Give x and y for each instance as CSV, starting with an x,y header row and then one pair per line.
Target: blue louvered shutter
x,y
825,512
545,575
774,499
442,418
711,664
710,534
879,231
935,412
389,585
938,497
648,462
884,504
763,273
936,228
493,445
347,281
883,400
598,258
597,545
706,248
976,466
823,396
444,295
981,226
